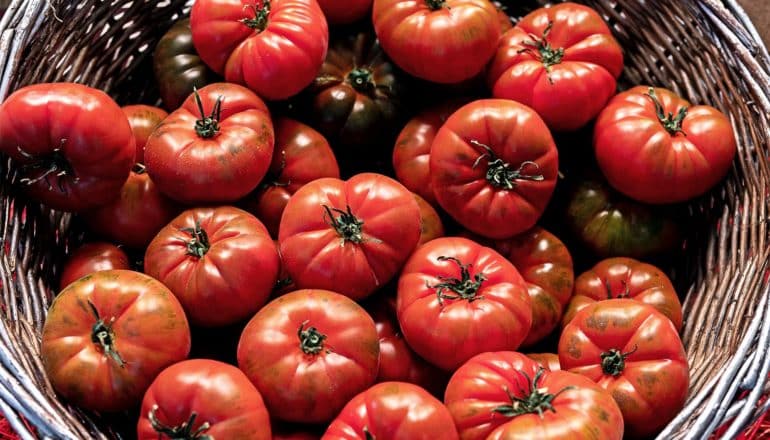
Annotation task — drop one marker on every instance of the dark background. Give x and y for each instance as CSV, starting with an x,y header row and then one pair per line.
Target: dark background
x,y
759,11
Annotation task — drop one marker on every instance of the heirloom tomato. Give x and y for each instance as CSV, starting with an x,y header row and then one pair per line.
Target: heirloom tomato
x,y
502,15
90,258
431,226
143,119
344,12
549,361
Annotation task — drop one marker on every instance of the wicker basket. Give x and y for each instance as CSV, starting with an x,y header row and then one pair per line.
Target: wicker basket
x,y
706,50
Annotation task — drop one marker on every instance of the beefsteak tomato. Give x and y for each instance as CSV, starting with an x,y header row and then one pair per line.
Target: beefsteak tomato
x,y
143,119
90,258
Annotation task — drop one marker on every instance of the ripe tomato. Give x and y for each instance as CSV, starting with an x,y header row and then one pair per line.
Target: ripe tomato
x,y
90,258
493,167
220,262
143,119
656,147
457,299
549,361
502,15
431,226
301,156
72,143
634,352
361,231
562,61
217,147
201,398
393,410
309,352
107,336
444,41
506,395
273,47
338,12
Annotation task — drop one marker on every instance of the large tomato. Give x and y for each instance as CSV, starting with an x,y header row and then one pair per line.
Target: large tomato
x,y
431,226
90,258
393,410
549,361
143,119
444,41
656,147
203,399
72,143
108,335
217,147
457,299
309,352
220,262
493,166
273,47
507,396
349,236
562,61
634,352
338,12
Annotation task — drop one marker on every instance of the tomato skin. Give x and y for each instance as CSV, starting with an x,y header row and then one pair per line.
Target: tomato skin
x,y
431,226
232,278
90,258
652,164
95,144
446,332
549,361
277,61
338,12
652,386
308,387
456,39
505,20
571,92
149,333
515,135
218,393
143,119
393,410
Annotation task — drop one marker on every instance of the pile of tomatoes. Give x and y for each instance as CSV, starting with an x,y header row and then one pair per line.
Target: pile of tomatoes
x,y
317,292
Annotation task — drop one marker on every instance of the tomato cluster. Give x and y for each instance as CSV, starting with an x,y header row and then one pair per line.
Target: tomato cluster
x,y
371,223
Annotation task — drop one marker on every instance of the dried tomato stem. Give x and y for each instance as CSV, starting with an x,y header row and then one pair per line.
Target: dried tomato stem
x,y
534,399
181,432
102,334
465,287
672,124
311,341
208,126
261,15
541,49
347,225
614,361
500,174
198,244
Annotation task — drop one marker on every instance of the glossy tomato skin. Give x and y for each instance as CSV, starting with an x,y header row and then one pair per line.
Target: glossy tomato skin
x,y
393,410
447,327
338,12
580,408
444,41
322,252
220,262
217,393
143,119
217,163
309,352
567,73
493,166
90,258
549,361
659,160
143,321
276,57
650,382
72,129
431,226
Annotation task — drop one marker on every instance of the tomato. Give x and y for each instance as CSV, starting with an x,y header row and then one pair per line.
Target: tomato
x,y
143,119
90,258
301,156
348,236
309,352
217,147
203,397
549,361
457,299
444,41
626,278
284,284
493,167
72,144
502,15
562,61
634,352
273,47
506,395
393,410
338,12
671,151
107,336
431,226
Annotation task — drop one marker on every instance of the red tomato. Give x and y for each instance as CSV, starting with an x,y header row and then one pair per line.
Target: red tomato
x,y
220,262
444,41
72,143
493,167
338,12
656,147
502,15
457,299
309,352
361,231
199,399
143,120
506,395
562,61
217,147
634,352
549,361
108,335
393,410
431,226
273,47
90,258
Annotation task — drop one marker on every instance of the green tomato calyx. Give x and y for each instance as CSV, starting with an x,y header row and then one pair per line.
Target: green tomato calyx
x,y
533,400
672,124
102,334
208,126
347,225
53,164
311,341
541,49
361,79
198,244
614,361
500,174
435,5
181,432
465,287
261,15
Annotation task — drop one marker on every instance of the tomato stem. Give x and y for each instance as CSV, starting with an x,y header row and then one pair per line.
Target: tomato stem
x,y
311,341
541,49
102,334
533,400
672,124
261,14
464,287
499,172
198,244
614,361
435,5
361,79
347,225
181,432
52,164
208,126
